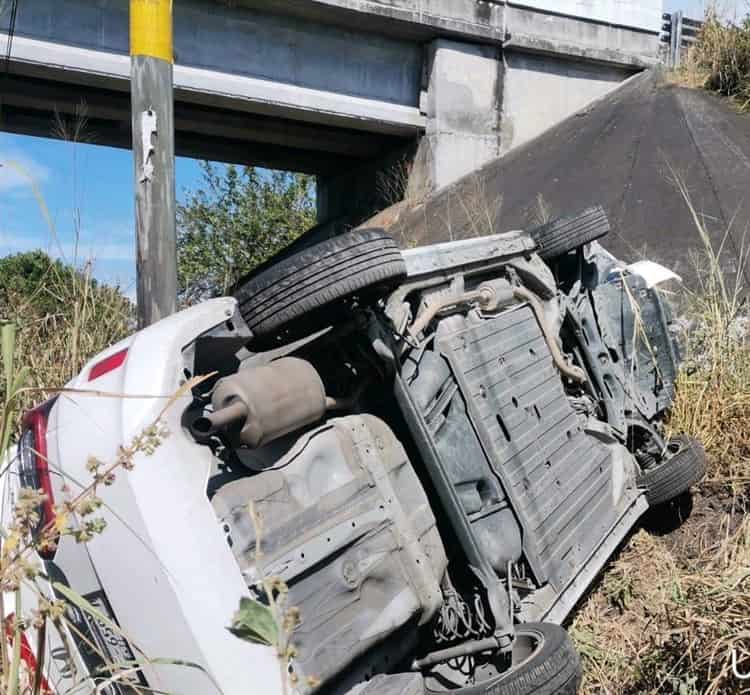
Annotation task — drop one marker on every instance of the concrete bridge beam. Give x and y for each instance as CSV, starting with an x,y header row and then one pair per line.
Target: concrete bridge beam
x,y
336,88
461,100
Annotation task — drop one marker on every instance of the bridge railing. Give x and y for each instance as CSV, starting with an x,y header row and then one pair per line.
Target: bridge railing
x,y
678,33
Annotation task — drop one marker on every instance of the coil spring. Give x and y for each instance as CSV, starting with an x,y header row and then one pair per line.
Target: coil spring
x,y
457,621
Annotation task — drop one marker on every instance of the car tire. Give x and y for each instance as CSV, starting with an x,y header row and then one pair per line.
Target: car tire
x,y
284,298
675,474
559,236
553,667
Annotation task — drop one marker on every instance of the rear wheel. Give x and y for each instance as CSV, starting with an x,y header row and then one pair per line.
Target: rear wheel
x,y
286,299
544,662
682,466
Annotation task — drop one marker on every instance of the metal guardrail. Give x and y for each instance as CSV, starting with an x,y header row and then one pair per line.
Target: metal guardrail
x,y
678,33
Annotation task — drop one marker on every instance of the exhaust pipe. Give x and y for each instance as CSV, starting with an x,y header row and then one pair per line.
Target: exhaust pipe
x,y
210,424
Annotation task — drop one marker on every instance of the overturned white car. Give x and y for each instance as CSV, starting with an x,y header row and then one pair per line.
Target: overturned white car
x,y
430,453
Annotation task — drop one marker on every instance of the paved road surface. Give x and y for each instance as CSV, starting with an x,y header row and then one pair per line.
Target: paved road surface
x,y
623,152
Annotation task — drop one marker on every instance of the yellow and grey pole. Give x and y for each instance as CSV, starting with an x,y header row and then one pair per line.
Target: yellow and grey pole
x,y
152,106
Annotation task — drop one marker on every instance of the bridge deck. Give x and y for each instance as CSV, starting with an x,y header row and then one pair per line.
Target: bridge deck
x,y
313,86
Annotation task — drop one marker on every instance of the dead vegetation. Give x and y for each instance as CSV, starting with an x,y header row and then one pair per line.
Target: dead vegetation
x,y
671,613
720,59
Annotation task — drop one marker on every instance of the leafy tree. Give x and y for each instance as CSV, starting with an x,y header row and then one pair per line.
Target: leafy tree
x,y
239,217
24,275
63,317
34,284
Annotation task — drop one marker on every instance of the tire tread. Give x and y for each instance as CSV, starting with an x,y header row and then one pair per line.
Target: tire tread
x,y
677,474
556,670
362,261
559,236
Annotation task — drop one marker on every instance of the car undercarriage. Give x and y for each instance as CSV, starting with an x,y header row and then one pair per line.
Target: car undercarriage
x,y
435,451
414,463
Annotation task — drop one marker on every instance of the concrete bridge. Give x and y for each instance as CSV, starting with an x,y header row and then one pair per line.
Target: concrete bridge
x,y
343,89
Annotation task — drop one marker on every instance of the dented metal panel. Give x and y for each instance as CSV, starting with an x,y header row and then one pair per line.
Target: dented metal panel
x,y
348,527
455,255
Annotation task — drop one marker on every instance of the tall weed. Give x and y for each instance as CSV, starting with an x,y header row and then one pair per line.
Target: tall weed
x,y
720,59
670,613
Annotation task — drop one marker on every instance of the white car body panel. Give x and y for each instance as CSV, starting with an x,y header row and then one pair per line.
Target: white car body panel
x,y
163,561
653,273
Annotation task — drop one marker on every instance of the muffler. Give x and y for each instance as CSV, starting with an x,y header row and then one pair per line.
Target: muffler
x,y
260,404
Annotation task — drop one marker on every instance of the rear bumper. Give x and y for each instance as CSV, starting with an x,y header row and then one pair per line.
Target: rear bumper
x,y
162,567
64,668
100,648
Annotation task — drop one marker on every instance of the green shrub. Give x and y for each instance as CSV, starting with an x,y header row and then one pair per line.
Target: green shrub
x,y
236,219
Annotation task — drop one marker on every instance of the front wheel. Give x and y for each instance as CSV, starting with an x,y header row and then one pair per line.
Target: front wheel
x,y
564,234
544,662
683,465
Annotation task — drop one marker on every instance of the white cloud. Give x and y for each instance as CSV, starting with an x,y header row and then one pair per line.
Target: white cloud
x,y
18,171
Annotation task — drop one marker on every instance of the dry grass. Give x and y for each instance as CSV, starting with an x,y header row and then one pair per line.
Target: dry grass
x,y
480,209
670,610
660,624
720,60
392,183
48,333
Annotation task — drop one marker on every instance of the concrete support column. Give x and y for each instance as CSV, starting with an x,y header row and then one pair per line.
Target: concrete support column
x,y
462,95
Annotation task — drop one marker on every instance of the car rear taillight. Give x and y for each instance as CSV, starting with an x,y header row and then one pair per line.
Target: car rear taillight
x,y
27,655
108,364
33,462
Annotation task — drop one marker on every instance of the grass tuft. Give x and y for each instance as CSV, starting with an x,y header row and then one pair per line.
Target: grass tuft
x,y
62,317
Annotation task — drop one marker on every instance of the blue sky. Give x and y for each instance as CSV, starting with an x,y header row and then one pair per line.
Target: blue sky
x,y
84,187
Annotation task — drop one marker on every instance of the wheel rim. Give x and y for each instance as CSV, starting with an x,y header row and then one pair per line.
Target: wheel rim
x,y
526,645
675,446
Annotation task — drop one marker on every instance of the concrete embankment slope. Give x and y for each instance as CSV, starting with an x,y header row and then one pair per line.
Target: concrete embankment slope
x,y
623,152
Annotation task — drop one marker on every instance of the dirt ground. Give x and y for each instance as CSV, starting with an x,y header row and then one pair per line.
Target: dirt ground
x,y
664,615
693,527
